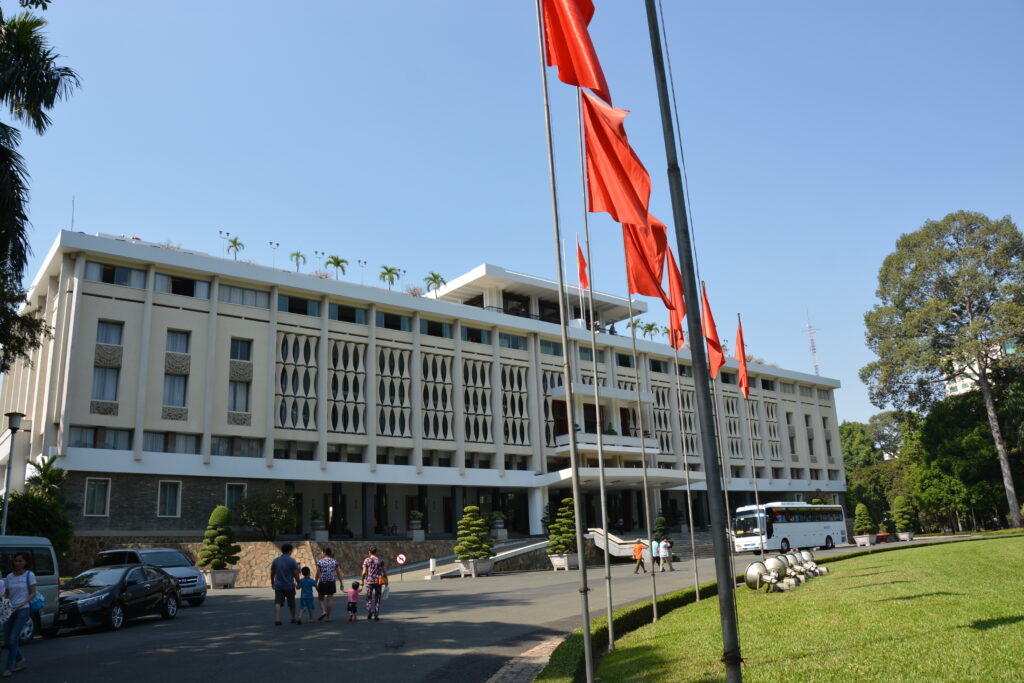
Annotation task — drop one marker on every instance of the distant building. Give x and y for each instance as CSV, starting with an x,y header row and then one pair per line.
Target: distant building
x,y
176,381
962,384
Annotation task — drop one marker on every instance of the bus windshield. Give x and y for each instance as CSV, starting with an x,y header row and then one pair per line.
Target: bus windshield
x,y
746,524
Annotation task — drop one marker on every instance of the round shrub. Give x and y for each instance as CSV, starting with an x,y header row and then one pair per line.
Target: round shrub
x,y
475,542
562,539
219,550
862,522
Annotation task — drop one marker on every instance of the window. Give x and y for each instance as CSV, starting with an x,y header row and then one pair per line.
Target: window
x,y
109,332
117,439
233,494
806,392
294,304
186,443
435,328
685,370
815,474
477,336
226,445
550,348
394,321
659,366
154,442
221,445
587,354
833,475
82,437
115,275
768,384
549,312
512,341
787,388
624,360
182,286
347,314
104,384
250,448
778,473
238,397
797,473
97,497
178,341
243,297
175,389
728,378
241,349
824,395
168,503
517,304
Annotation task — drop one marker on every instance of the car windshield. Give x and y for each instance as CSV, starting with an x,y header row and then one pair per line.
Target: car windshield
x,y
96,578
745,524
116,557
165,558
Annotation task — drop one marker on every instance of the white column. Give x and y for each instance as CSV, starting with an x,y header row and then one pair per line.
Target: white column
x,y
143,376
534,404
211,362
416,395
322,383
458,403
676,416
271,376
60,407
42,371
370,457
535,501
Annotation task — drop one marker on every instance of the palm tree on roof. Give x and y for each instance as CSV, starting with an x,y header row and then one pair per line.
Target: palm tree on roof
x,y
298,258
434,281
389,274
235,245
339,264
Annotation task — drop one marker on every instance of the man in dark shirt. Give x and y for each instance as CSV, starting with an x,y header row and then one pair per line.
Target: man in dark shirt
x,y
284,576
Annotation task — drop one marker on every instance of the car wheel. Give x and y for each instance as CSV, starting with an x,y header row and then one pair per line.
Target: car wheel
x,y
196,602
29,630
170,607
115,620
784,546
829,543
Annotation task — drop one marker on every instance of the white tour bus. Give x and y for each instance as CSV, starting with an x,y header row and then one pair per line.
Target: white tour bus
x,y
788,525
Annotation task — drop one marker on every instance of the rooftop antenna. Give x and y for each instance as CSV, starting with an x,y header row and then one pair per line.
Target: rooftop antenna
x,y
814,347
72,212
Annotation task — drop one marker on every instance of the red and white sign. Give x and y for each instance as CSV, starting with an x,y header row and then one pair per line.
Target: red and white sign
x,y
401,558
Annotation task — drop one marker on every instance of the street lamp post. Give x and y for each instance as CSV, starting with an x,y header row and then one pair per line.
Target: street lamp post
x,y
14,423
273,259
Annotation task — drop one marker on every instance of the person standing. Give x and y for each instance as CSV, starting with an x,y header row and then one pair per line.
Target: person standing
x,y
655,556
374,577
21,588
284,576
638,555
665,553
326,577
306,603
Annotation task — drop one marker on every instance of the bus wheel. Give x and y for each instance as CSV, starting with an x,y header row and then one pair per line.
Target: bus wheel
x,y
829,543
784,546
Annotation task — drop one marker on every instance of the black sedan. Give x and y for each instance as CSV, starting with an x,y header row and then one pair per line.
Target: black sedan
x,y
108,596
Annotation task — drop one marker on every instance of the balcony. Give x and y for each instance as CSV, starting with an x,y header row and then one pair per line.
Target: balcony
x,y
582,389
586,442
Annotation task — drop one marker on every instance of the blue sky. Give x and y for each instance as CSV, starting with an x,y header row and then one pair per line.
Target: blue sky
x,y
411,134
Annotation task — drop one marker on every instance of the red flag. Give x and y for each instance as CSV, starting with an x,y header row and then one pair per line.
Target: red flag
x,y
567,45
678,310
581,265
616,180
716,358
645,246
741,356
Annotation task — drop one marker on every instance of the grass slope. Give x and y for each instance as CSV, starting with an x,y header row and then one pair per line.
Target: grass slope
x,y
946,612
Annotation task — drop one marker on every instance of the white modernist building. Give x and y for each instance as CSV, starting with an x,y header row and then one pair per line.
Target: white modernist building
x,y
175,381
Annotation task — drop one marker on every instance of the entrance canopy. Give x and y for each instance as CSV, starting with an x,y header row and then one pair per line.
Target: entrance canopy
x,y
618,478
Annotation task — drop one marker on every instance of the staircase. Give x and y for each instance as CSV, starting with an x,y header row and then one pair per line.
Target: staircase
x,y
619,547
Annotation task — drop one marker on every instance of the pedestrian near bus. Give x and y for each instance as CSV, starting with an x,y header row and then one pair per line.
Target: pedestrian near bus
x,y
638,555
284,577
374,577
326,578
20,589
665,553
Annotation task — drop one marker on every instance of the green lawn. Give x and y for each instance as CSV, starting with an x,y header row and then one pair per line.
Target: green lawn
x,y
941,613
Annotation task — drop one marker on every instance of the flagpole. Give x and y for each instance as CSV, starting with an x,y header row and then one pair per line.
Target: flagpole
x,y
731,655
726,474
761,528
686,470
588,661
597,383
643,455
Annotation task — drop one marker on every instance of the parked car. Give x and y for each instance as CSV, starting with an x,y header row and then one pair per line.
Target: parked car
x,y
109,596
191,582
44,566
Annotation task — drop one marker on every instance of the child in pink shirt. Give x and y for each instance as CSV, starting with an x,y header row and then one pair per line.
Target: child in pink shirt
x,y
353,600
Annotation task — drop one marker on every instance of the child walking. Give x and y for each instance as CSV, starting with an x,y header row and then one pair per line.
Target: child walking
x,y
306,602
353,601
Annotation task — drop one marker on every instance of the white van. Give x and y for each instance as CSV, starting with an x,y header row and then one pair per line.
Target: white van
x,y
44,566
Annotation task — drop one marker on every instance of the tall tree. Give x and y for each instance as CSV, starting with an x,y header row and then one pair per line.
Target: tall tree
x,y
298,258
858,446
339,264
434,281
235,245
951,298
389,274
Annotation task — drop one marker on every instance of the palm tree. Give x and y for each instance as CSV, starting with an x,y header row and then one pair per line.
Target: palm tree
x,y
235,245
634,324
47,479
298,258
30,85
650,330
389,274
434,281
337,263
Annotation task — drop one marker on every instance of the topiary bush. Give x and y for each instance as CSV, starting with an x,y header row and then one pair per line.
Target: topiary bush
x,y
902,515
219,550
862,522
660,528
562,539
475,542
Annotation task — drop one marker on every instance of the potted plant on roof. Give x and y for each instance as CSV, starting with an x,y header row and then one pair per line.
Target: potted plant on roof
x,y
903,519
474,547
863,526
562,550
416,525
219,551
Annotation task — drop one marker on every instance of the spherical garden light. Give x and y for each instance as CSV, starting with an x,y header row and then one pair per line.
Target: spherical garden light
x,y
758,575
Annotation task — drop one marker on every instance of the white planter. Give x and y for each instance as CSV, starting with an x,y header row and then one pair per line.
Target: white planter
x,y
865,539
475,568
499,534
905,535
321,535
565,561
220,578
418,535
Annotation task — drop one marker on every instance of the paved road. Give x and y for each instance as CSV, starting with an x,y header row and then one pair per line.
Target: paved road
x,y
458,630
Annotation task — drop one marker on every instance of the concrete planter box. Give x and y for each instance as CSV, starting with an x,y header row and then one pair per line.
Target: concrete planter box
x,y
220,578
321,535
499,533
865,539
475,568
565,562
415,524
905,535
418,535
